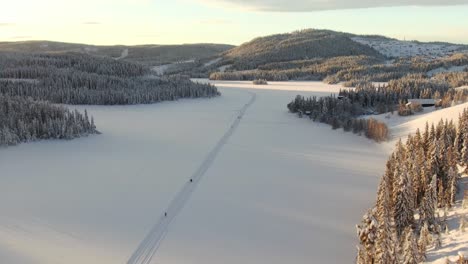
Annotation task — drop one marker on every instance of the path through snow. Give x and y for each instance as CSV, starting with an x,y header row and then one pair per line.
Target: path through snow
x,y
149,246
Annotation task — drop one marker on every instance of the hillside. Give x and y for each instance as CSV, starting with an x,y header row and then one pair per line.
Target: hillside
x,y
77,78
298,45
147,54
394,48
333,57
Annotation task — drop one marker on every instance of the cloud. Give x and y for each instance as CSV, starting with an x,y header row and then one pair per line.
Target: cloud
x,y
21,37
6,24
91,23
320,5
215,21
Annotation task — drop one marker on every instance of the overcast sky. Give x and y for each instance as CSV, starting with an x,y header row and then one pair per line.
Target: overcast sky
x,y
226,21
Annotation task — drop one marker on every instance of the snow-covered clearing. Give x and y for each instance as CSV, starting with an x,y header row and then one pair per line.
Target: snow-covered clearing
x,y
20,80
444,70
213,61
455,241
280,190
402,126
159,70
123,55
224,68
401,48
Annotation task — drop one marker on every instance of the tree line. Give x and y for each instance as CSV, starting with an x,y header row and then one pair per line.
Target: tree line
x,y
24,120
29,83
339,113
348,69
420,178
83,79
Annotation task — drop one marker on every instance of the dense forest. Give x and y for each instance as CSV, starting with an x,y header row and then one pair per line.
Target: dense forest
x,y
343,111
144,54
298,45
421,177
29,83
75,78
339,113
24,120
347,69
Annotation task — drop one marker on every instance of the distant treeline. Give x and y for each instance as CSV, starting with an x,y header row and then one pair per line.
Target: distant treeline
x,y
348,69
343,111
339,114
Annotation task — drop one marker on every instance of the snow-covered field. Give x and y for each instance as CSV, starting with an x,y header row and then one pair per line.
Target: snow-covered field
x,y
445,70
400,48
279,190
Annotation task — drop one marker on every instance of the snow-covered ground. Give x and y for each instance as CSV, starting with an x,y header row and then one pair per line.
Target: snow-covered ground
x,y
400,48
402,126
213,61
444,70
160,69
123,55
20,80
280,190
455,241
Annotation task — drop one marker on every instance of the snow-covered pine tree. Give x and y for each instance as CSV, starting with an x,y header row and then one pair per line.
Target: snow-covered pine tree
x,y
404,207
423,241
385,241
367,234
462,224
410,248
428,206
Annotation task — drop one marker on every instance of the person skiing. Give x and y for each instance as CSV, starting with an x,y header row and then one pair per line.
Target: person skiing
x,y
165,214
191,180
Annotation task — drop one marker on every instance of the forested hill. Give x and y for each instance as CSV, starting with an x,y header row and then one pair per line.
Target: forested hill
x,y
146,54
298,45
76,78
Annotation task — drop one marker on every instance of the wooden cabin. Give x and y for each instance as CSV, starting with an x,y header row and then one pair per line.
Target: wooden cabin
x,y
423,102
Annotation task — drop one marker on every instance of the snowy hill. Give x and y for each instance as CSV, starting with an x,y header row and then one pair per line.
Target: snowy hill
x,y
394,48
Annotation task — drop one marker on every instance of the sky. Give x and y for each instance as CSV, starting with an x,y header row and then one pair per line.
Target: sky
x,y
131,22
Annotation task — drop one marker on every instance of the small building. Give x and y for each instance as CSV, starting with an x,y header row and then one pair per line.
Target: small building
x,y
423,102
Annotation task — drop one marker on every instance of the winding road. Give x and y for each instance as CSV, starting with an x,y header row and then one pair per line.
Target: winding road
x,y
147,249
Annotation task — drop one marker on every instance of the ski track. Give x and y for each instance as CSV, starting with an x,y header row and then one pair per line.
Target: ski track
x,y
150,245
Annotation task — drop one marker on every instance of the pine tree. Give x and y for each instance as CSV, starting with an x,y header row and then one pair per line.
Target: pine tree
x,y
462,224
410,248
452,179
423,241
427,209
404,208
385,244
367,234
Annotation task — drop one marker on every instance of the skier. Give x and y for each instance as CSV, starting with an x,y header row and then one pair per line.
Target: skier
x,y
191,180
165,214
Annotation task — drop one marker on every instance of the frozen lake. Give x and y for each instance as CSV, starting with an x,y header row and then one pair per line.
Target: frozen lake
x,y
280,190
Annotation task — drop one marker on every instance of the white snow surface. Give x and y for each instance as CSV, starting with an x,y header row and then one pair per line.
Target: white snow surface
x,y
159,70
401,48
123,55
280,189
402,126
211,62
447,70
455,241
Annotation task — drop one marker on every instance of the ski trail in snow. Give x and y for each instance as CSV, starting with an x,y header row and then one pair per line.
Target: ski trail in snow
x,y
147,249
